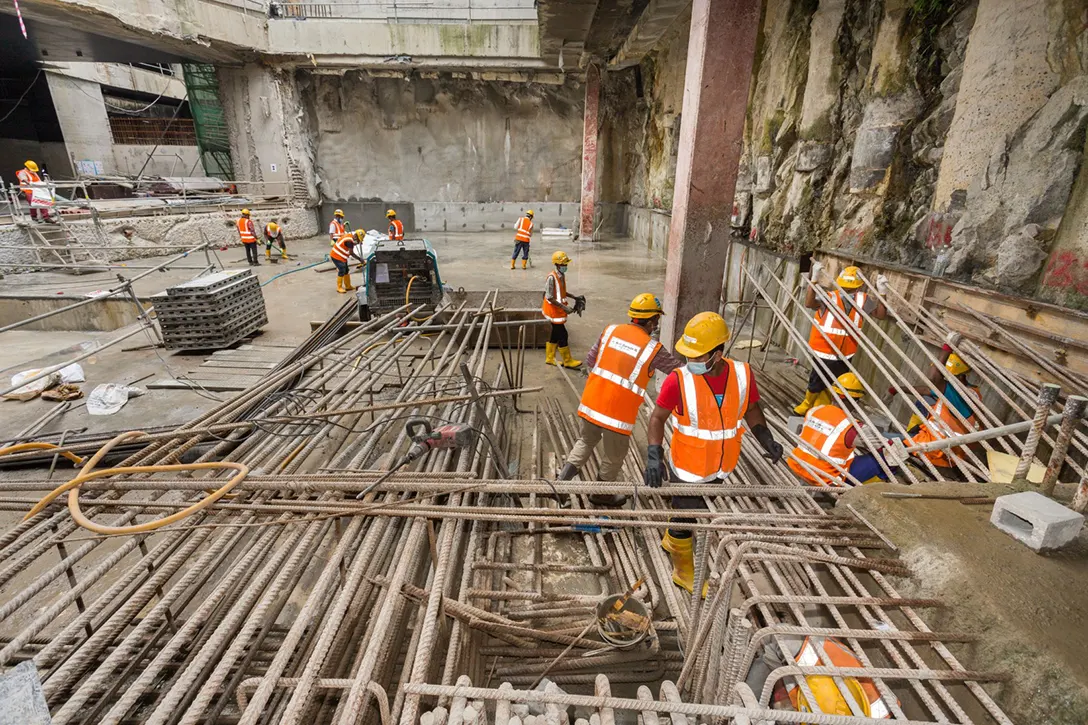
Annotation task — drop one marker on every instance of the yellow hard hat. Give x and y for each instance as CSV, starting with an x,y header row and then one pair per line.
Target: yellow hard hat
x,y
358,234
245,212
529,213
390,214
31,165
848,384
703,333
850,278
955,364
338,212
644,307
560,257
274,227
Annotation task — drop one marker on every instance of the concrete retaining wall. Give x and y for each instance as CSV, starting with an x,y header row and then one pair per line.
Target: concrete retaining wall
x,y
649,226
99,315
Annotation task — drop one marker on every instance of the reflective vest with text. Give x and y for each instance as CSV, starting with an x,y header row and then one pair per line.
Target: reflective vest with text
x,y
617,383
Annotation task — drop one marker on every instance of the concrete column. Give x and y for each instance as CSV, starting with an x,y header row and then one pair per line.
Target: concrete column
x,y
721,50
589,153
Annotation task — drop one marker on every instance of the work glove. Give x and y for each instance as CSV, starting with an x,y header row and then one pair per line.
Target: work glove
x,y
816,272
881,285
772,448
654,475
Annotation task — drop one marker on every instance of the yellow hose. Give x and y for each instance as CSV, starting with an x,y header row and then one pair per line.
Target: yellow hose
x,y
407,295
76,460
88,474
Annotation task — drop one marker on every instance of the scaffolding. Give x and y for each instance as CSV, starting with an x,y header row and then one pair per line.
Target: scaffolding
x,y
212,135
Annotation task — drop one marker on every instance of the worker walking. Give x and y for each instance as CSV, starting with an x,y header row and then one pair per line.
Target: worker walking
x,y
338,227
839,340
523,234
396,226
829,438
340,254
706,401
621,363
556,306
249,237
274,233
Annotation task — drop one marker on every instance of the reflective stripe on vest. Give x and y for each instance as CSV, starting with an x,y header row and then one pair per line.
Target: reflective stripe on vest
x,y
822,444
245,231
555,313
834,654
829,324
336,228
617,384
342,251
523,231
396,229
697,442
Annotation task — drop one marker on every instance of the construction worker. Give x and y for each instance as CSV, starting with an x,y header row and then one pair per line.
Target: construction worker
x,y
830,697
28,176
825,354
621,363
248,235
340,254
338,227
706,402
556,306
828,440
942,422
523,234
396,226
274,233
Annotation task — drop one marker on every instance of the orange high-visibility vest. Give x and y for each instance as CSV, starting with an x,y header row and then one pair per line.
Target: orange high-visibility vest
x,y
706,437
829,698
617,384
342,249
555,313
943,424
269,234
823,438
396,229
839,336
27,177
246,231
523,230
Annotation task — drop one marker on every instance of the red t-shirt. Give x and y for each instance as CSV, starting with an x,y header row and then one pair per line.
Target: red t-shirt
x,y
669,397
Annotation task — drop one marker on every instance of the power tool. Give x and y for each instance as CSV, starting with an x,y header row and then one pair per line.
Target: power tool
x,y
425,439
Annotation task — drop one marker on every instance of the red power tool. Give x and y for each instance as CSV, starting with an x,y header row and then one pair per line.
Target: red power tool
x,y
425,439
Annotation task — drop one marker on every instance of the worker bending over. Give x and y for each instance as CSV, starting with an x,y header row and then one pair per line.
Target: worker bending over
x,y
556,306
338,227
340,255
828,442
840,340
942,422
396,226
248,235
274,233
706,401
621,363
523,234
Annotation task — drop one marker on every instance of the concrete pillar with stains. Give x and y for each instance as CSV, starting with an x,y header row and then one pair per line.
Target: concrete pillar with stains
x,y
589,153
721,50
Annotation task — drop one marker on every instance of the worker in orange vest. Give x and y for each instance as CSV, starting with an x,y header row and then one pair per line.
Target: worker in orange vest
x,y
248,234
621,363
338,227
556,306
830,698
343,251
523,234
274,233
27,176
396,226
826,354
706,402
829,438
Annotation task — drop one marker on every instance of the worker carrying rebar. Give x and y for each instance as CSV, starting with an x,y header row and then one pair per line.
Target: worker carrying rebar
x,y
248,234
28,179
621,363
338,227
840,340
706,402
341,254
829,439
943,422
396,226
556,306
273,233
523,234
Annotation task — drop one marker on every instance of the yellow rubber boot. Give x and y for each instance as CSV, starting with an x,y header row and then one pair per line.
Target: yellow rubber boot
x,y
268,253
823,398
805,405
549,352
347,283
283,254
340,285
568,361
512,262
524,263
683,562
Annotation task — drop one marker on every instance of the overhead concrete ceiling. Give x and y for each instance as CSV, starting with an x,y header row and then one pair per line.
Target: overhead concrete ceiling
x,y
58,43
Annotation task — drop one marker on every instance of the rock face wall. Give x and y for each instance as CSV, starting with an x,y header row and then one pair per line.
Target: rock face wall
x,y
945,135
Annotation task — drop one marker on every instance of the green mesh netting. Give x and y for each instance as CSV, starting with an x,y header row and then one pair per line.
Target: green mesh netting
x,y
212,135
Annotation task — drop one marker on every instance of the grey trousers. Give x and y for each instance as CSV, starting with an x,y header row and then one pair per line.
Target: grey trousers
x,y
612,453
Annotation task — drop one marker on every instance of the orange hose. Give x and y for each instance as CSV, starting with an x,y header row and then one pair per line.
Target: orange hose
x,y
76,460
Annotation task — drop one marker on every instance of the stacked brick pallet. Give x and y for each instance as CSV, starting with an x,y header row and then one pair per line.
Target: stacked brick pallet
x,y
211,312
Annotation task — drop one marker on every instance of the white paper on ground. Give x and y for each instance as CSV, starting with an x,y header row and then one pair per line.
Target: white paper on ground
x,y
34,389
72,374
108,398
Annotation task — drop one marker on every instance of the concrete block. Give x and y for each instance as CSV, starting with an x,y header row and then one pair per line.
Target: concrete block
x,y
1035,520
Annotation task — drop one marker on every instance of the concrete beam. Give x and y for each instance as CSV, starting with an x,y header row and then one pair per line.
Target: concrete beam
x,y
652,25
721,52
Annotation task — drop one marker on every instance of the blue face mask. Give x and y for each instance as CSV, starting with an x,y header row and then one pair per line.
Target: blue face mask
x,y
562,269
701,368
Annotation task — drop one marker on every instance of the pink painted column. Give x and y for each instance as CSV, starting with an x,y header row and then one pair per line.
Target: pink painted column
x,y
589,153
721,50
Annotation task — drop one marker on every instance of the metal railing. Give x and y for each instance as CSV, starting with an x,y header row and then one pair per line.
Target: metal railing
x,y
411,11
